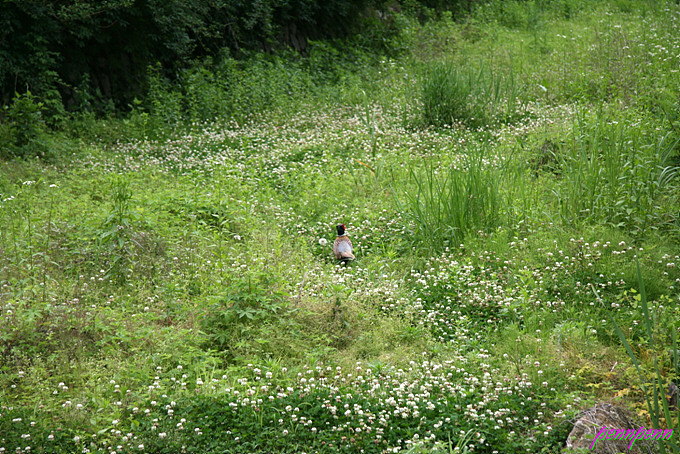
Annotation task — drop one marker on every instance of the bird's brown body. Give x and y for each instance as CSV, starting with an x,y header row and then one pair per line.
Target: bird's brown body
x,y
342,247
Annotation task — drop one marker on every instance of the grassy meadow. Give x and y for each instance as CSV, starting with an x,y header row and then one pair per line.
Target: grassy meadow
x,y
509,183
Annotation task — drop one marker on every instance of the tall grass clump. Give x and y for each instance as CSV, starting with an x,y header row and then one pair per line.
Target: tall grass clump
x,y
654,387
474,96
447,205
616,173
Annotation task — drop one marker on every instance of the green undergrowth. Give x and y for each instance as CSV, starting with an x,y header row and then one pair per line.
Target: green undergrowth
x,y
168,283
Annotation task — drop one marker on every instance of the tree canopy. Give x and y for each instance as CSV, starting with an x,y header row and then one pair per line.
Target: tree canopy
x,y
75,51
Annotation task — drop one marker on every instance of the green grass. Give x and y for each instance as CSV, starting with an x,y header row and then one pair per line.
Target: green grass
x,y
657,403
446,208
166,279
453,92
616,172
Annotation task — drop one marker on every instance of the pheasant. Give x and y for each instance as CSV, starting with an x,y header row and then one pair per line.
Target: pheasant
x,y
342,248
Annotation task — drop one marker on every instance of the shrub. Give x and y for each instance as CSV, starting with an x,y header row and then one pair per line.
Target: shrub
x,y
246,318
24,129
224,88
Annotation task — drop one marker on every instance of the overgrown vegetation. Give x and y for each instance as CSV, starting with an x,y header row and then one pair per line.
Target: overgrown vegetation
x,y
509,180
473,97
446,208
88,54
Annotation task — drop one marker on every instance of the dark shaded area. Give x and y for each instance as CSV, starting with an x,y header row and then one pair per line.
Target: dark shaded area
x,y
95,54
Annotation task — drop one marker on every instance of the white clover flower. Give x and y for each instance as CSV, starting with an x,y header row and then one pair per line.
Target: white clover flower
x,y
323,241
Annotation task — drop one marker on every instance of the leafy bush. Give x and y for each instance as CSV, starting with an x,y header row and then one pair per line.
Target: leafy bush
x,y
116,234
245,318
225,89
24,129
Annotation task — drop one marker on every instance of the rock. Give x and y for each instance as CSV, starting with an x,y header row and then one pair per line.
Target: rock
x,y
674,396
592,420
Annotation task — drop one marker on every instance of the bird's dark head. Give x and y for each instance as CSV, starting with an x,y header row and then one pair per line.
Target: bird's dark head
x,y
341,229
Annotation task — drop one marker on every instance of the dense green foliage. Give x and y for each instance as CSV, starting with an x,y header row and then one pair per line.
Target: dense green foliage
x,y
466,199
508,175
471,96
87,53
